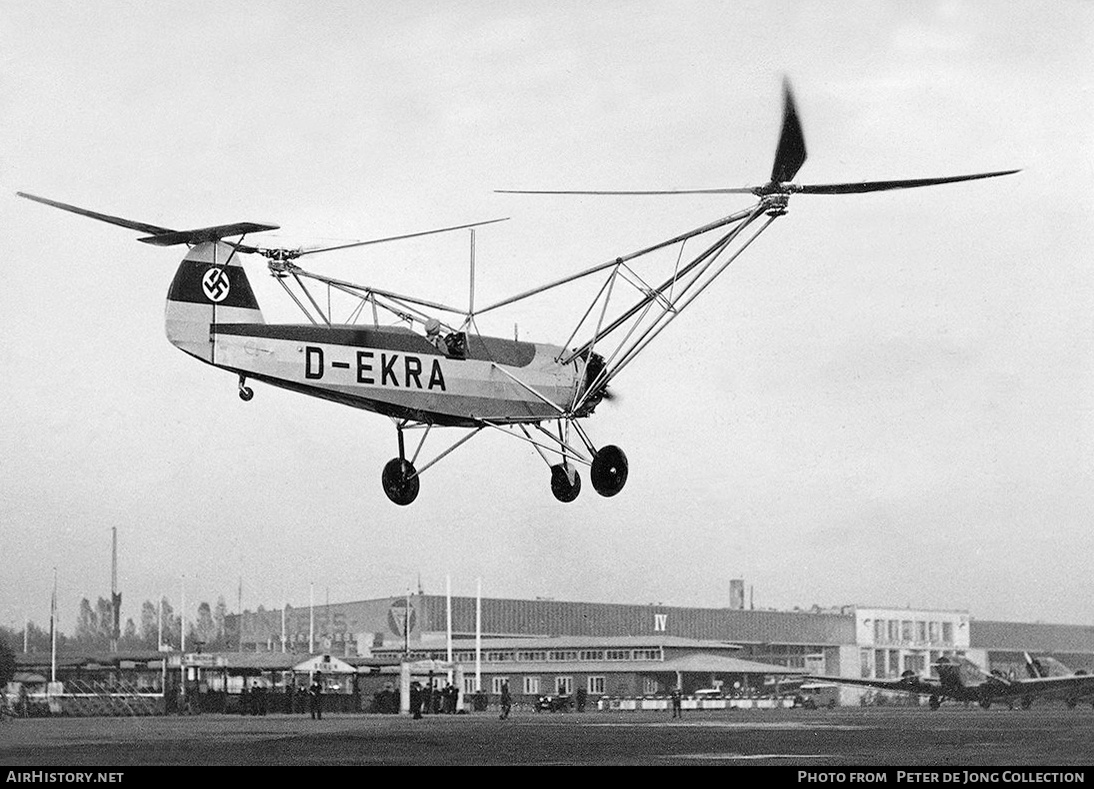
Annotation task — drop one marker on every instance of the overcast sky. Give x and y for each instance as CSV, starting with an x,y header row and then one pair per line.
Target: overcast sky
x,y
886,401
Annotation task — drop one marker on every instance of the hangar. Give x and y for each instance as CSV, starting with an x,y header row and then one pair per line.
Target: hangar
x,y
852,641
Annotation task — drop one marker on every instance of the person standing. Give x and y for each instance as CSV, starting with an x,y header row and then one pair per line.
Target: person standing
x,y
427,696
416,700
316,697
506,700
677,709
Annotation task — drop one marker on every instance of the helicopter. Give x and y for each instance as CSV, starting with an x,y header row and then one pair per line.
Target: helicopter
x,y
433,368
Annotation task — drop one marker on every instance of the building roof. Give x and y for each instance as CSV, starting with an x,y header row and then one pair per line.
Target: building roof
x,y
1030,636
568,642
261,661
84,659
723,664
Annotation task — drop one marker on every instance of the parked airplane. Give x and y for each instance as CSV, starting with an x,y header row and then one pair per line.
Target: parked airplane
x,y
1046,666
962,680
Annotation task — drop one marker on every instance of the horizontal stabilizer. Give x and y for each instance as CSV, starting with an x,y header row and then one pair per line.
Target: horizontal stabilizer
x,y
215,233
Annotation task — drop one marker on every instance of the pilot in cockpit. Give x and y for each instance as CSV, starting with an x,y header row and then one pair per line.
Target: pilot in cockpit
x,y
433,334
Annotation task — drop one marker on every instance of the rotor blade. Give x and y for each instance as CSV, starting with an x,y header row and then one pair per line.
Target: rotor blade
x,y
742,190
790,155
399,238
114,220
880,186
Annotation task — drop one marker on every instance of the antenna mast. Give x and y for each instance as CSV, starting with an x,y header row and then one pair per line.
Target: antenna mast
x,y
115,598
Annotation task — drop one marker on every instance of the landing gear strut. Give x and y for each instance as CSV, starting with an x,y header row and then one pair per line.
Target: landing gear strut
x,y
609,470
400,480
245,392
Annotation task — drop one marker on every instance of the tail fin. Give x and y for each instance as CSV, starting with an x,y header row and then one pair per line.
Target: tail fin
x,y
209,287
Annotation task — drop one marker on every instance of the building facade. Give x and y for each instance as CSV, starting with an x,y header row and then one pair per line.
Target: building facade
x,y
852,641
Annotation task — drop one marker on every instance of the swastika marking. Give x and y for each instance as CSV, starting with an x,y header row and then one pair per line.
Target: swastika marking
x,y
216,285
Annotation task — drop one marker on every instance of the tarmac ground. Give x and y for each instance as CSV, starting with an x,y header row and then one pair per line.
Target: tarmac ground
x,y
1048,736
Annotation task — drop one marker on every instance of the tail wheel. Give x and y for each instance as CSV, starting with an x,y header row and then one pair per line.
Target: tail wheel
x,y
401,482
609,470
246,393
564,490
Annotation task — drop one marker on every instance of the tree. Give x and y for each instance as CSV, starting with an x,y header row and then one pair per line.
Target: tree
x,y
150,626
205,628
87,623
170,623
37,639
129,635
104,611
7,661
220,616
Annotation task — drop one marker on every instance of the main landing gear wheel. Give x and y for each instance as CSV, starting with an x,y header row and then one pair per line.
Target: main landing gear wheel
x,y
609,471
985,703
1027,702
934,702
564,490
401,483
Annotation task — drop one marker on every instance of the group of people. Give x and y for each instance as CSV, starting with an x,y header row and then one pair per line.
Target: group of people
x,y
677,708
430,699
253,701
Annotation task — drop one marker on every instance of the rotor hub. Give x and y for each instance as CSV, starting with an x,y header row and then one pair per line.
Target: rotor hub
x,y
280,264
775,204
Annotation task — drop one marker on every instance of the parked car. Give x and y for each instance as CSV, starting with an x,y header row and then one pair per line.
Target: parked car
x,y
709,693
555,703
813,695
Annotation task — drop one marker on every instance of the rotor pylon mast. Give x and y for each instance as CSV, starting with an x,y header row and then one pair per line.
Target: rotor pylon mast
x,y
471,291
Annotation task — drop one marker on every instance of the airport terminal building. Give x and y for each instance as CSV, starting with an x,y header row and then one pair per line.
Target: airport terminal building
x,y
850,641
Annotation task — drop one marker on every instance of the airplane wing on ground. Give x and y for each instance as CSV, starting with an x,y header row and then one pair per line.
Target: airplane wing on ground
x,y
1077,684
908,683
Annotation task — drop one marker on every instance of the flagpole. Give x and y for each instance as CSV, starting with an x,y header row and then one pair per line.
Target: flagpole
x,y
182,641
311,620
53,631
182,616
478,636
448,606
239,605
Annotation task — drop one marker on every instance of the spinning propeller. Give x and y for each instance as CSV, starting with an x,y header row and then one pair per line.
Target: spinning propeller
x,y
789,157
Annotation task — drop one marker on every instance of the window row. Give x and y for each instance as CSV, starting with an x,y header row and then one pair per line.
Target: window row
x,y
564,686
549,655
893,631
